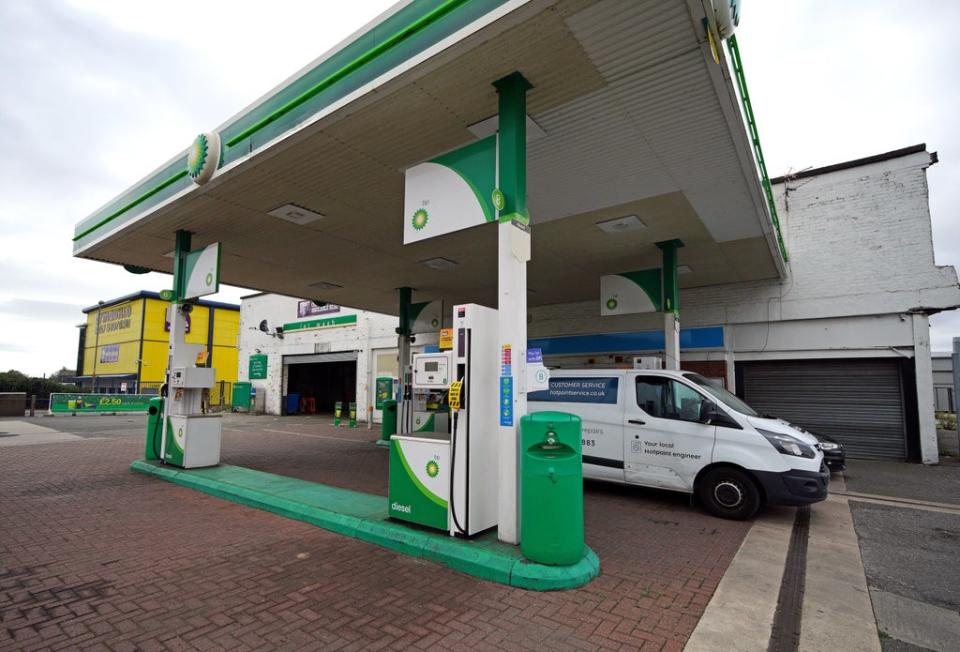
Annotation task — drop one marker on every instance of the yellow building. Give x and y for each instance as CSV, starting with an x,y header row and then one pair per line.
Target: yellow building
x,y
123,344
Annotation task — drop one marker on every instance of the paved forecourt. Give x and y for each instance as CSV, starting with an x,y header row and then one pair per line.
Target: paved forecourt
x,y
88,560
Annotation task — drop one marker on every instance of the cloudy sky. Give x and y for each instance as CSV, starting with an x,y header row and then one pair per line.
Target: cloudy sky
x,y
95,94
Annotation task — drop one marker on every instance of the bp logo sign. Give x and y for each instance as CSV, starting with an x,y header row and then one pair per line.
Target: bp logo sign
x,y
433,469
420,219
611,304
203,157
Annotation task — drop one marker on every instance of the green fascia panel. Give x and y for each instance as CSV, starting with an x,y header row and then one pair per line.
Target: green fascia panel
x,y
476,164
329,322
413,29
364,517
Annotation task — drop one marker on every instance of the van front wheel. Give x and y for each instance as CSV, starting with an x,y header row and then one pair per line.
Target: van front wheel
x,y
729,493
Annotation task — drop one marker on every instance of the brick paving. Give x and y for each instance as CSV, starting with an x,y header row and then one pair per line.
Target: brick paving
x,y
95,557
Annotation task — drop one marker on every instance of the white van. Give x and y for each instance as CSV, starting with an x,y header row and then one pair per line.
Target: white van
x,y
677,430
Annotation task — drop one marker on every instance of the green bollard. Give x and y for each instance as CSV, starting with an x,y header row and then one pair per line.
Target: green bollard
x,y
353,415
337,412
154,428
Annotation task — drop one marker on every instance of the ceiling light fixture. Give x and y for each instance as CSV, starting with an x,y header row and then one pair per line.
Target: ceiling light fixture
x,y
684,269
296,214
622,224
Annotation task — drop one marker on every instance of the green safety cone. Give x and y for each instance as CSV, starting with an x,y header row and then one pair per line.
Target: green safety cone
x,y
337,411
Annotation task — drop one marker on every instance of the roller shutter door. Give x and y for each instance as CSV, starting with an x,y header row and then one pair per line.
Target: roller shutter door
x,y
858,402
311,358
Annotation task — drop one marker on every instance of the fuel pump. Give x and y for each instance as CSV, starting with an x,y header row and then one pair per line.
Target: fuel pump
x,y
445,476
191,436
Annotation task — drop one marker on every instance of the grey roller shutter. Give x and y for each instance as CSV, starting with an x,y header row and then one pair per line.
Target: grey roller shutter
x,y
857,402
339,356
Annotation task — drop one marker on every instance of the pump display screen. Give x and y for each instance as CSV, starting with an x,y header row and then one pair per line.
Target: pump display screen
x,y
431,366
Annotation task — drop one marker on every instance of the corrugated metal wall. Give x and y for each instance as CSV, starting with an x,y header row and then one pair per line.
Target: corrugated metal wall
x,y
858,402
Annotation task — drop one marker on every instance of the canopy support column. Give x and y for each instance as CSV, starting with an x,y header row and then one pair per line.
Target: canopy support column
x,y
404,420
671,304
513,252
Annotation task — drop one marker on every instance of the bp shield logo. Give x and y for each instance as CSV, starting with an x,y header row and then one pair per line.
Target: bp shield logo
x,y
433,469
420,219
203,157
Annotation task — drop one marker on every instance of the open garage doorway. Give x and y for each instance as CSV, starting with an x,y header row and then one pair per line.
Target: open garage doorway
x,y
314,383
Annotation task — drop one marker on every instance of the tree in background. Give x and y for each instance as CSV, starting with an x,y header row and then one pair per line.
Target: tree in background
x,y
16,381
63,375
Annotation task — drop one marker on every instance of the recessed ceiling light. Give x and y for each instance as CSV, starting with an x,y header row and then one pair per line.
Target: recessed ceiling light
x,y
622,224
489,127
324,285
684,269
296,214
440,263
169,254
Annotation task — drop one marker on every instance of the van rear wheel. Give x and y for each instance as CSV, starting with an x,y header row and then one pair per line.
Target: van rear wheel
x,y
729,493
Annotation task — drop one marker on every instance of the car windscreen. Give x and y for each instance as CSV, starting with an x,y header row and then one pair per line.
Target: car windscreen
x,y
722,395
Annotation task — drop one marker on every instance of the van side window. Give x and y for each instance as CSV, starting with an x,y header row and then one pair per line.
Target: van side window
x,y
666,398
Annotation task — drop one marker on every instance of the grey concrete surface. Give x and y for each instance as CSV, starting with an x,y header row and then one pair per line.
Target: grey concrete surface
x,y
910,552
740,614
917,623
910,558
940,483
895,645
85,426
24,432
837,612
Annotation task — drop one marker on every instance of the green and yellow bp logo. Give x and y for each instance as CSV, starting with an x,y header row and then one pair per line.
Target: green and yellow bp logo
x,y
433,469
420,219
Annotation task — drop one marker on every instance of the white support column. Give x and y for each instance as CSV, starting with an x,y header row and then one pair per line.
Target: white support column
x,y
929,450
513,252
512,326
671,341
671,304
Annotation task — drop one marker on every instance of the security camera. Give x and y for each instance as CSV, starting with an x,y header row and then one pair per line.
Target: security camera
x,y
186,308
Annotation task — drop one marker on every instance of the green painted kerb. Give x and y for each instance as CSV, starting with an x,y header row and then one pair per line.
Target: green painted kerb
x,y
364,516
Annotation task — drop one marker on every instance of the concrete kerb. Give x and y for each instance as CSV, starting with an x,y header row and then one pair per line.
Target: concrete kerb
x,y
485,557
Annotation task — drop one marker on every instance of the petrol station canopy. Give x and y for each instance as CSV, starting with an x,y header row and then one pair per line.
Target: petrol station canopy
x,y
629,115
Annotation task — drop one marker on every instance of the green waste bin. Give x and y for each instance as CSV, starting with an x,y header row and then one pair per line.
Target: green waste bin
x,y
154,428
551,488
388,423
241,396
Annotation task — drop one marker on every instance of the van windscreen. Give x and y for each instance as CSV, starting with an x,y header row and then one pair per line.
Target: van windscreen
x,y
721,394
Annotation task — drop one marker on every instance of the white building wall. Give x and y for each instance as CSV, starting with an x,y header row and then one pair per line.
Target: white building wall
x,y
861,278
372,332
860,243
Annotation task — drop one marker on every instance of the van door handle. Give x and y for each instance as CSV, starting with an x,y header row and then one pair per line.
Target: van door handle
x,y
637,422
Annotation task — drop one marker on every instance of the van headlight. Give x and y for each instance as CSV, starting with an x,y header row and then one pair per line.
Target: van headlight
x,y
788,445
828,446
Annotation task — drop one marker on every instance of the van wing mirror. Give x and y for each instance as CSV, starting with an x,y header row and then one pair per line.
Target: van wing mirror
x,y
711,414
708,412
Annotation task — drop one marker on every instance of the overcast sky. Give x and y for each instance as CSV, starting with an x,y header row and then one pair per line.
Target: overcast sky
x,y
94,95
